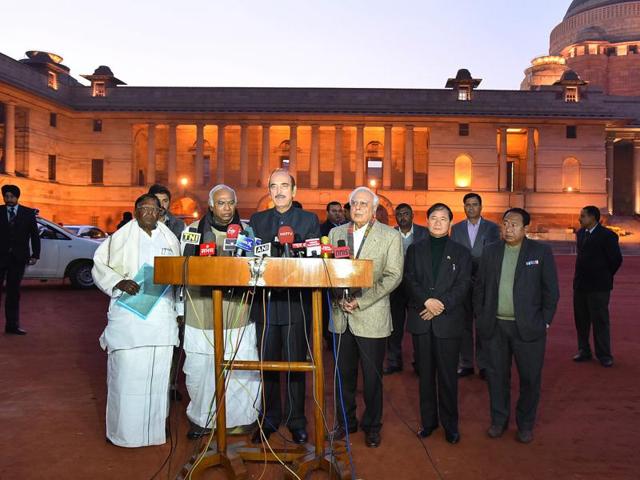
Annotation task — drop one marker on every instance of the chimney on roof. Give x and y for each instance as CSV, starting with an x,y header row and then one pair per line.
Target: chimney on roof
x,y
573,86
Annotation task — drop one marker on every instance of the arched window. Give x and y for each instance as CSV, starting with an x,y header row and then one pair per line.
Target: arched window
x,y
375,156
462,172
571,175
283,150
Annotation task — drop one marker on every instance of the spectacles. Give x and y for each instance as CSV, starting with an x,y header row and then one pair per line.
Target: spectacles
x,y
230,203
148,209
357,203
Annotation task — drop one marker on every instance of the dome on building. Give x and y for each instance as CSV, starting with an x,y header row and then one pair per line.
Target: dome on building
x,y
592,33
579,6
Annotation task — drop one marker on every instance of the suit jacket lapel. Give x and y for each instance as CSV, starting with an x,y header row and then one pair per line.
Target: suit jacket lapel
x,y
427,262
521,259
369,243
446,254
465,234
482,230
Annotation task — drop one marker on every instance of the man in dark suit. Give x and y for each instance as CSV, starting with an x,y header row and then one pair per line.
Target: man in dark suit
x,y
410,233
474,233
284,330
515,298
598,260
162,193
334,218
437,277
19,246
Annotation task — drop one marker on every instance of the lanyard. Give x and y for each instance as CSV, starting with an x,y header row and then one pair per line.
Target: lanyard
x,y
350,238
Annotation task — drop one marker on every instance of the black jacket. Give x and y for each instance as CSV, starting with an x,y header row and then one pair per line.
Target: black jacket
x,y
284,303
451,287
598,260
535,289
16,238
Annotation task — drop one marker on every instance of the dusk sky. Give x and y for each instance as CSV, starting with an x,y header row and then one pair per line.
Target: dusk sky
x,y
400,44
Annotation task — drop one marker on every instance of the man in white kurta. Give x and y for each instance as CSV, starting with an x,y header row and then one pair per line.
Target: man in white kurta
x,y
242,386
139,349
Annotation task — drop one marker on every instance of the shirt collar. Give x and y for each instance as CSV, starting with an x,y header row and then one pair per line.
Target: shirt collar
x,y
476,225
408,234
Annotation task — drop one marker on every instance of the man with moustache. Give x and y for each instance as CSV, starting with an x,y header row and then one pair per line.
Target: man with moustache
x,y
19,247
283,335
242,387
474,233
163,194
139,346
362,320
515,298
411,233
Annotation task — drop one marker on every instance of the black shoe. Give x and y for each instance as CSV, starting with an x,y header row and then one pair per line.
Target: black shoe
x,y
582,356
258,434
606,362
465,371
452,437
299,436
425,432
15,331
372,439
196,432
391,369
483,374
340,433
496,431
524,436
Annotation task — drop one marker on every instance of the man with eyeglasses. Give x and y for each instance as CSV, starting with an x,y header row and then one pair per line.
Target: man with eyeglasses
x,y
283,335
19,247
362,319
139,341
515,298
163,194
242,387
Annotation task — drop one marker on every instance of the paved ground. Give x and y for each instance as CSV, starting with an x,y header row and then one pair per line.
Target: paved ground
x,y
53,400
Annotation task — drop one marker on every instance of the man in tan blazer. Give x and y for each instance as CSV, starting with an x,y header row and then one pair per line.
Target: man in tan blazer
x,y
362,319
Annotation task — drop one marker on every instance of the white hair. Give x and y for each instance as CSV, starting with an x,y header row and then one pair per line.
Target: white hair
x,y
357,190
219,187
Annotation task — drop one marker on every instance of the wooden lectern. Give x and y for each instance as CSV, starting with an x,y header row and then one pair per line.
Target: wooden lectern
x,y
313,273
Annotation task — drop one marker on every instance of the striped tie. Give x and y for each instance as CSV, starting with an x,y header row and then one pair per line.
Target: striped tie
x,y
12,213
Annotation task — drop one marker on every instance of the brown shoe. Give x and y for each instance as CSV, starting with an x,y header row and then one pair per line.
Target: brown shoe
x,y
524,436
496,431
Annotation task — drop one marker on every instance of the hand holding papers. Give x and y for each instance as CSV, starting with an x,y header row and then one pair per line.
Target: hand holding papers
x,y
148,295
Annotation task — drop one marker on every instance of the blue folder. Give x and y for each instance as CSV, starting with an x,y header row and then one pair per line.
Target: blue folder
x,y
147,297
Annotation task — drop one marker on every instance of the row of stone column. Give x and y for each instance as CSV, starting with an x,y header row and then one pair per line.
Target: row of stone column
x,y
314,170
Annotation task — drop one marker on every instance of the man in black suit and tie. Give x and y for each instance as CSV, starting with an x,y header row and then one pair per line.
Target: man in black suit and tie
x,y
437,276
598,260
515,298
334,218
411,233
19,246
474,233
284,329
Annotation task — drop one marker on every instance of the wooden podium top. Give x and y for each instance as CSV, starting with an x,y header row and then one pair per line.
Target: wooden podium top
x,y
276,272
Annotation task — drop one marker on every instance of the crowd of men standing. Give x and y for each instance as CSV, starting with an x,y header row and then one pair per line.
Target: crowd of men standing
x,y
470,294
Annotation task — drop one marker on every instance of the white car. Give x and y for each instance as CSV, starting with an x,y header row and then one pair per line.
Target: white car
x,y
87,231
63,254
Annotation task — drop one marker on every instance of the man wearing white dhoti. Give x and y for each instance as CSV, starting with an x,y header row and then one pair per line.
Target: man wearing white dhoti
x,y
242,387
139,346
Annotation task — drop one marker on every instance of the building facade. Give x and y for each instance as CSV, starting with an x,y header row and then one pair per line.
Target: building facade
x,y
83,153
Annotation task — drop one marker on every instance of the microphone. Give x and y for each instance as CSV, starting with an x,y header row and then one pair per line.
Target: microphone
x,y
341,251
245,243
313,248
326,249
208,250
229,244
285,237
262,249
191,240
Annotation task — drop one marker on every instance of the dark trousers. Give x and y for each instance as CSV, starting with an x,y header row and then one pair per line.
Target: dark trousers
x,y
467,347
399,303
12,270
592,308
287,343
437,363
369,354
504,345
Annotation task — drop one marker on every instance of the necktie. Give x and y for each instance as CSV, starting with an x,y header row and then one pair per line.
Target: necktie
x,y
12,213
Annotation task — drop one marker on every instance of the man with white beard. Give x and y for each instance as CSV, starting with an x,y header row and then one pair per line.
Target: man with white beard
x,y
139,345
